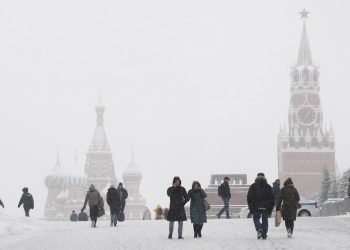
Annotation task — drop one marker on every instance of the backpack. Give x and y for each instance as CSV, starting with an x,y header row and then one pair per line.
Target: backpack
x,y
220,190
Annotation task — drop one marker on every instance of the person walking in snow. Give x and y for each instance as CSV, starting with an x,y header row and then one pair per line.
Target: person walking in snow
x,y
276,190
159,212
289,199
349,188
123,194
197,210
225,194
27,200
178,198
115,204
2,204
147,214
82,216
73,216
260,202
93,197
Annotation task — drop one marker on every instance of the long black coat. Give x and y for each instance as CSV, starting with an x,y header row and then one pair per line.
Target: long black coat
x,y
178,199
114,200
290,198
260,195
276,191
27,201
124,195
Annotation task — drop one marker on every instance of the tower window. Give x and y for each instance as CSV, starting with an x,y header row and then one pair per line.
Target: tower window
x,y
306,75
315,76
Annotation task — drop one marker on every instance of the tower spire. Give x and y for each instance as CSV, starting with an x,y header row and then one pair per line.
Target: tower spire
x,y
58,164
304,54
99,140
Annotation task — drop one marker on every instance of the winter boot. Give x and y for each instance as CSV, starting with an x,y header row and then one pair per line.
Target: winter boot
x,y
170,236
218,216
180,237
289,233
195,230
200,230
115,224
259,234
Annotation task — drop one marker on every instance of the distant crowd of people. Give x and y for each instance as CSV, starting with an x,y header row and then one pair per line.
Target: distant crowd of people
x,y
261,200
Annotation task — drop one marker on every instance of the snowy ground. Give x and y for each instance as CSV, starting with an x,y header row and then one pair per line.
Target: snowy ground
x,y
34,234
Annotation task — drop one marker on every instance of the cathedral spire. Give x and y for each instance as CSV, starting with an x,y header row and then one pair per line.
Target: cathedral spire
x,y
304,54
99,141
58,163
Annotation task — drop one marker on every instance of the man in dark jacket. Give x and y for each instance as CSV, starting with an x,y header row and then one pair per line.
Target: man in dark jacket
x,y
276,190
73,216
260,201
225,193
27,201
178,199
123,195
115,204
82,216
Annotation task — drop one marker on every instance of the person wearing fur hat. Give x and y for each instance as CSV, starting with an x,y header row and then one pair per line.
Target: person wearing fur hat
x,y
289,199
27,200
260,201
94,198
178,198
197,209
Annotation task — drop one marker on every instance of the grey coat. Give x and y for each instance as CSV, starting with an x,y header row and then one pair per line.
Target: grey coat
x,y
92,196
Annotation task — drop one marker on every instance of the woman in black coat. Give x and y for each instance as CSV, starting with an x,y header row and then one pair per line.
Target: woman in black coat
x,y
178,199
289,199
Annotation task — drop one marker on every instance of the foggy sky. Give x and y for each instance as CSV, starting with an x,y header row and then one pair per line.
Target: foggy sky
x,y
198,87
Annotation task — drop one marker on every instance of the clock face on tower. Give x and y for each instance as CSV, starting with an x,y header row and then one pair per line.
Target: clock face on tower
x,y
306,116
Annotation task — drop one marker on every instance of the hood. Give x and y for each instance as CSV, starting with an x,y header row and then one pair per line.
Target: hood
x,y
196,182
112,188
288,182
92,188
176,178
260,179
25,190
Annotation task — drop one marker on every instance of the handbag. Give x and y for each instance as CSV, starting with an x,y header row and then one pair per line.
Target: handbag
x,y
206,205
101,212
278,218
121,217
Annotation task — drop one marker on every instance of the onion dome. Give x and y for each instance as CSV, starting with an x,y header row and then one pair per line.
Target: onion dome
x,y
56,178
76,177
132,172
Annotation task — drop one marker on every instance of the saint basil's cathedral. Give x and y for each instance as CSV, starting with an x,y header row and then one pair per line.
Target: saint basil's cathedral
x,y
67,190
